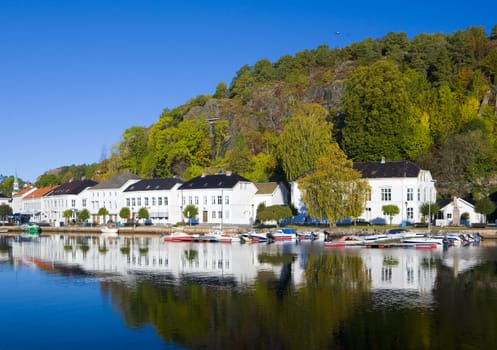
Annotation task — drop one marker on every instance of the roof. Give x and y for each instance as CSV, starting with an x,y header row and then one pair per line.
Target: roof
x,y
266,187
22,192
402,168
40,192
153,185
213,181
117,181
72,187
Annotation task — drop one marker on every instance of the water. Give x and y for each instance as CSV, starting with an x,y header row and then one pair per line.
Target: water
x,y
72,292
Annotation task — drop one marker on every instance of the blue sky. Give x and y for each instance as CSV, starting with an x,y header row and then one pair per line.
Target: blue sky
x,y
75,74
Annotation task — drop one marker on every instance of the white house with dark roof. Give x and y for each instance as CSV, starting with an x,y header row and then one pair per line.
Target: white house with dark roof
x,y
66,196
451,212
109,195
159,196
221,198
400,183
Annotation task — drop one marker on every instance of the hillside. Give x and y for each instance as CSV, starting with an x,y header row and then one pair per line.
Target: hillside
x,y
430,99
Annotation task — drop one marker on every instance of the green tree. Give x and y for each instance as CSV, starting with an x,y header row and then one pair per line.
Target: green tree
x,y
274,213
239,159
143,213
5,211
428,210
190,212
376,106
304,139
67,214
47,180
334,190
485,207
125,213
390,210
103,212
83,215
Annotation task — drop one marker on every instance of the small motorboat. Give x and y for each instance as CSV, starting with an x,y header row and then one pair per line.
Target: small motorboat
x,y
109,231
345,241
179,237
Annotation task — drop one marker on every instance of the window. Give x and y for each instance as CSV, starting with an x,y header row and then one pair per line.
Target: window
x,y
226,200
190,201
205,200
410,213
127,202
220,214
166,201
419,194
196,200
159,201
213,214
139,201
133,202
146,201
153,200
410,194
73,203
386,194
219,200
213,199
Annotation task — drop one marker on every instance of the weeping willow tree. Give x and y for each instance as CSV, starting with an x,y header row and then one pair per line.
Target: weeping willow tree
x,y
334,190
304,139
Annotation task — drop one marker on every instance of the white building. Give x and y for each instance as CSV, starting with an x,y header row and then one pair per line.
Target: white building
x,y
159,196
270,193
452,211
108,195
34,205
399,183
220,198
18,199
66,196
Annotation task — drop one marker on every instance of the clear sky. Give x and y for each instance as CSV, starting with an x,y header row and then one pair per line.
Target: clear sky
x,y
74,74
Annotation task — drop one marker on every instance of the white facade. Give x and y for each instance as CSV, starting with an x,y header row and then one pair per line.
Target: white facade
x,y
408,192
270,193
458,207
163,205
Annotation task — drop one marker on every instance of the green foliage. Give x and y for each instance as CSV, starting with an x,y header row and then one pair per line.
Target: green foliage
x,y
485,206
390,210
5,211
47,180
125,213
83,215
143,213
304,139
190,212
67,214
103,212
334,190
273,213
428,209
376,104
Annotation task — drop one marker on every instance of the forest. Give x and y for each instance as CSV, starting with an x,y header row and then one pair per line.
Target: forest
x,y
430,99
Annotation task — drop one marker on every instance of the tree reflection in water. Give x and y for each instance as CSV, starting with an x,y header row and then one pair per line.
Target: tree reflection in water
x,y
268,314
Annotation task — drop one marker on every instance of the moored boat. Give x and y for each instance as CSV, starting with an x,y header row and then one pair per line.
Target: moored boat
x,y
285,234
179,237
31,229
109,231
344,241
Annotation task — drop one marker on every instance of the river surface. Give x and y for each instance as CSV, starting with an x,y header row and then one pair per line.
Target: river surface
x,y
66,292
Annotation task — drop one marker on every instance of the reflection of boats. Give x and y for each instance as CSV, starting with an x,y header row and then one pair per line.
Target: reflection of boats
x,y
344,241
217,236
179,237
109,231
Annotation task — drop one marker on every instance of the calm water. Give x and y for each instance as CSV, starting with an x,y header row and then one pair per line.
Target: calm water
x,y
71,292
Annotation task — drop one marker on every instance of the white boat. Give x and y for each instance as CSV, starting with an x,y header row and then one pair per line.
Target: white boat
x,y
179,237
428,241
109,231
